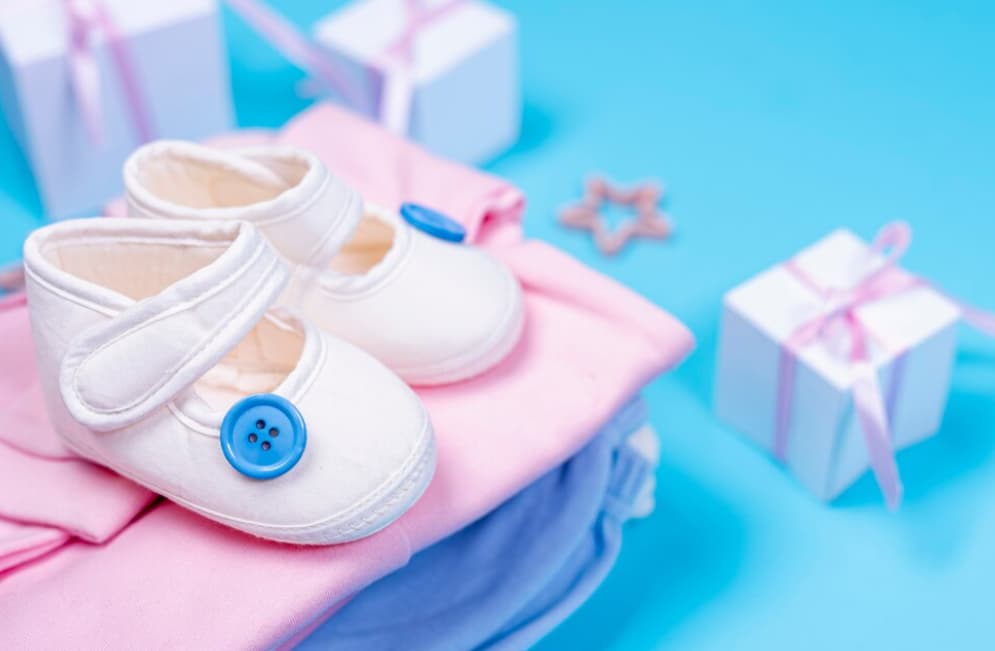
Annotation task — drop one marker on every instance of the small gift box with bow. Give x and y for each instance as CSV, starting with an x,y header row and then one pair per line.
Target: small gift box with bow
x,y
838,358
441,72
83,82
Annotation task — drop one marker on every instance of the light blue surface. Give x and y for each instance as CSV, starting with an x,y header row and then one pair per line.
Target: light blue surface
x,y
772,125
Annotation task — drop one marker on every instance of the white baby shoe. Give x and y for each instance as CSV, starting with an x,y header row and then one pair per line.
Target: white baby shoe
x,y
160,358
400,286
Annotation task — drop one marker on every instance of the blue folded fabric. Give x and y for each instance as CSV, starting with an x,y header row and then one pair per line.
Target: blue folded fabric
x,y
588,564
512,576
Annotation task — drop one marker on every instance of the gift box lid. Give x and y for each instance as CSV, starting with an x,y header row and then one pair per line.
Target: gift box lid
x,y
32,30
364,29
777,303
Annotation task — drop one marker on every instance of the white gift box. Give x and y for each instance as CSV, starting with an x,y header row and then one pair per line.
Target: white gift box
x,y
912,340
177,53
466,100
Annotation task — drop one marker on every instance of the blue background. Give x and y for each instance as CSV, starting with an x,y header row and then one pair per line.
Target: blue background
x,y
771,123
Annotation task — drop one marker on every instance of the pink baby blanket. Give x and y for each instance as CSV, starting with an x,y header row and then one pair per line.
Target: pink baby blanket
x,y
89,558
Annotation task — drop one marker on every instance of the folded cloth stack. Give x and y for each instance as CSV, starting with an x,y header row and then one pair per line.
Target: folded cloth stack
x,y
509,578
121,567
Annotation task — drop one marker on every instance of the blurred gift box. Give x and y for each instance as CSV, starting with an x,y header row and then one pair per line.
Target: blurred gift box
x,y
442,72
83,82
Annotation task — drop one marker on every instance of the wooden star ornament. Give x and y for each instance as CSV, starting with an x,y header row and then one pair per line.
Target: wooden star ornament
x,y
648,220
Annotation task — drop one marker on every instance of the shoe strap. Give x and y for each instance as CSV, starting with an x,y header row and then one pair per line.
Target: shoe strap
x,y
322,213
120,371
309,216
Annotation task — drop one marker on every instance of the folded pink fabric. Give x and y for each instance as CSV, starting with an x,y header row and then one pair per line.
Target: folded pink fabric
x,y
20,543
174,579
43,486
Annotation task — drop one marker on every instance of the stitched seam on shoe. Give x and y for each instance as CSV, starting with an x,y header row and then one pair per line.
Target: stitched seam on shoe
x,y
386,487
296,210
142,239
67,296
400,493
243,307
418,463
163,208
176,310
335,230
311,372
56,290
390,483
345,294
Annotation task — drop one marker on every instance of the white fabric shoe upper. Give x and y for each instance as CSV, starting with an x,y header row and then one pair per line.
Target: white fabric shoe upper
x,y
148,333
433,311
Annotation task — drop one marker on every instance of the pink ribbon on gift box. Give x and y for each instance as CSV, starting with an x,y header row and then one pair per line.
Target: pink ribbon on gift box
x,y
397,57
88,19
883,280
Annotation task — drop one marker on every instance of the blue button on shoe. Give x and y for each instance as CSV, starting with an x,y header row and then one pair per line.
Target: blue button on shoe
x,y
263,436
433,222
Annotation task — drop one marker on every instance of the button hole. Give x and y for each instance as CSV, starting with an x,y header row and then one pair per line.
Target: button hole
x,y
274,432
260,424
253,438
266,445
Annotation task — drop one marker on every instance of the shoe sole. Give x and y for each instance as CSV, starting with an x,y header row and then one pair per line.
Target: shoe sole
x,y
376,511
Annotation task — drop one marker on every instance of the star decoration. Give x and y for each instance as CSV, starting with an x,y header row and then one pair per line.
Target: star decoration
x,y
644,199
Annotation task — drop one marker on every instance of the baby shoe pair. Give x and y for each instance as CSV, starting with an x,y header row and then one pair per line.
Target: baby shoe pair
x,y
241,349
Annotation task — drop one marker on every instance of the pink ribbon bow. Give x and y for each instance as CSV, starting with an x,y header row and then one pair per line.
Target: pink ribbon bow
x,y
883,279
87,19
397,58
